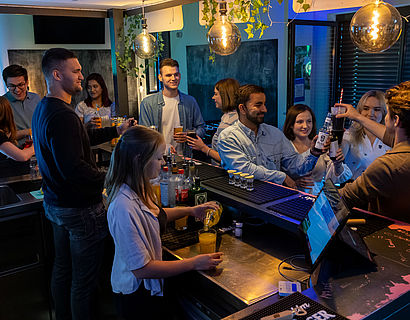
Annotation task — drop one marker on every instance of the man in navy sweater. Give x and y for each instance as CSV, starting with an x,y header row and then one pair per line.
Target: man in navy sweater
x,y
72,185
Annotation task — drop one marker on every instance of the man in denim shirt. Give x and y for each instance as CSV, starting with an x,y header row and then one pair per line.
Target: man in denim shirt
x,y
171,108
260,149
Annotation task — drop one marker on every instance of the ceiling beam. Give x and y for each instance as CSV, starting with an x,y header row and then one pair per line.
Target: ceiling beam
x,y
160,6
45,11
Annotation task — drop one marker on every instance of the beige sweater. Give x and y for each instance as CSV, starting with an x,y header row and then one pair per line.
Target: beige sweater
x,y
385,185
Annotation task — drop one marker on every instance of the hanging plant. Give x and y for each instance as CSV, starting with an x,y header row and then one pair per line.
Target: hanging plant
x,y
246,11
126,55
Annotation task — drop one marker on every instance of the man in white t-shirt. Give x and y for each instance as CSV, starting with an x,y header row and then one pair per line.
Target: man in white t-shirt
x,y
171,108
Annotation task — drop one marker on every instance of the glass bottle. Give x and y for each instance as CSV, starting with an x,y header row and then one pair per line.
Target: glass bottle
x,y
197,194
164,186
323,134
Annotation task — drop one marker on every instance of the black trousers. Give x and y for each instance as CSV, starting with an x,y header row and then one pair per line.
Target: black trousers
x,y
140,305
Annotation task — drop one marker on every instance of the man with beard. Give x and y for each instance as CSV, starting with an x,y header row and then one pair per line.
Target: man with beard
x,y
384,186
72,186
254,147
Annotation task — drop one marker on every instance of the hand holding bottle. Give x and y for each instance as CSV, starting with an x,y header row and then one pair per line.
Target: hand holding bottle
x,y
200,210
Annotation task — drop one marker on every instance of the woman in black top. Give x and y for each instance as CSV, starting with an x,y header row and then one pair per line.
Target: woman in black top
x,y
9,135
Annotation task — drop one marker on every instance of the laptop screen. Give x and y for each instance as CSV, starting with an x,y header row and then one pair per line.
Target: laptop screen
x,y
324,220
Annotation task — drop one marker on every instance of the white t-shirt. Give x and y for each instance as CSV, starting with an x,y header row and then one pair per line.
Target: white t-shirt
x,y
170,119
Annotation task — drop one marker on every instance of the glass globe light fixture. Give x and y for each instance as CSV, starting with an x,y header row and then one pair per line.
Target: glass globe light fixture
x,y
145,44
224,37
375,27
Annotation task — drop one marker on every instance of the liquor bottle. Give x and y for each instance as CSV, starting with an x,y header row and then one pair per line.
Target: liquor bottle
x,y
191,173
174,166
34,172
334,145
323,133
183,188
164,186
173,189
197,194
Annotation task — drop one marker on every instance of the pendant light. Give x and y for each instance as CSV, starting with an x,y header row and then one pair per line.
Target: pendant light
x,y
145,44
375,27
224,37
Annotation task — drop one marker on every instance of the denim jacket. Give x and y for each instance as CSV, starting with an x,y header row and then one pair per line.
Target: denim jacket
x,y
189,113
268,156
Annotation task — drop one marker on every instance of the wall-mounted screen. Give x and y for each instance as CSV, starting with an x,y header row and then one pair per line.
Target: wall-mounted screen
x,y
68,30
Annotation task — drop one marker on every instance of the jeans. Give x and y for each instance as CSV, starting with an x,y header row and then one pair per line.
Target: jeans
x,y
79,235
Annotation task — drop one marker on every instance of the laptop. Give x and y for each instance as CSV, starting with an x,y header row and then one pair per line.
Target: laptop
x,y
323,223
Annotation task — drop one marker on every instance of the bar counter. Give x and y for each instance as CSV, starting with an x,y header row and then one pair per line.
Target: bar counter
x,y
247,279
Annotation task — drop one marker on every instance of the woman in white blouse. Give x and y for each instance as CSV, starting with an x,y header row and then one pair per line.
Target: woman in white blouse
x,y
97,104
300,129
224,98
359,145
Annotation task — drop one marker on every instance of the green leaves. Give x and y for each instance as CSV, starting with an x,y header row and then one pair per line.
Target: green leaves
x,y
125,53
249,30
252,12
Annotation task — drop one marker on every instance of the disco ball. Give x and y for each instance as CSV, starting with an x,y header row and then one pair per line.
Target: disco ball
x,y
375,27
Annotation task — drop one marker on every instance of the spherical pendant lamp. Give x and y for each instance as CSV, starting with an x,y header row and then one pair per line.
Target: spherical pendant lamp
x,y
376,27
224,37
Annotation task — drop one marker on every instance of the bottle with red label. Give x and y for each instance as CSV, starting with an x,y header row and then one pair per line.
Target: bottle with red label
x,y
183,188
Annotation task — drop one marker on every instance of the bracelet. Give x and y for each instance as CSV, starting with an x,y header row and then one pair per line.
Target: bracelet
x,y
207,153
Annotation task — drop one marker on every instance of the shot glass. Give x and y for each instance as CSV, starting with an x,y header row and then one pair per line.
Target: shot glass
x,y
243,180
231,178
237,179
249,182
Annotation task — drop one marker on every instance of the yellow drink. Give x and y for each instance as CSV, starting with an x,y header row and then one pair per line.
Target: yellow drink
x,y
207,241
157,191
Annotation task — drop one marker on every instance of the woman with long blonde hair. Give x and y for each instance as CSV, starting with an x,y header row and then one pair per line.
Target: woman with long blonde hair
x,y
9,135
360,146
136,220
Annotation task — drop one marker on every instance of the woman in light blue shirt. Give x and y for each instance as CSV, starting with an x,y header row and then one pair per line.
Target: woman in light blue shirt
x,y
135,221
300,129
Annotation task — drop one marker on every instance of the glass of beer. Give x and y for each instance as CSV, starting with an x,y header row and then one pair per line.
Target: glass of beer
x,y
207,240
178,129
97,122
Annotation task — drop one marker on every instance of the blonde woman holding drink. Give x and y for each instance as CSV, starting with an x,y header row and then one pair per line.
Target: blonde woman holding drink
x,y
136,220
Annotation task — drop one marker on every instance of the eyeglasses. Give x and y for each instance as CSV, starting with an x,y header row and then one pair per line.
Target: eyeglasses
x,y
13,87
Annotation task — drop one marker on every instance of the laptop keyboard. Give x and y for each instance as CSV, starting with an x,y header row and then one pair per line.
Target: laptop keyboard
x,y
296,208
263,192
